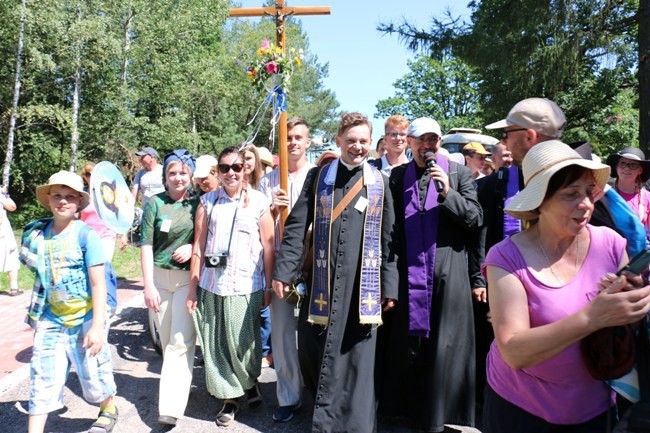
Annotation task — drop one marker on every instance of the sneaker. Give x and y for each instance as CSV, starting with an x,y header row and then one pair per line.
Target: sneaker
x,y
227,413
254,396
166,420
285,413
105,422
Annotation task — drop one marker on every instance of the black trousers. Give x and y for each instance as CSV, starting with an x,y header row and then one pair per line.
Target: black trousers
x,y
501,416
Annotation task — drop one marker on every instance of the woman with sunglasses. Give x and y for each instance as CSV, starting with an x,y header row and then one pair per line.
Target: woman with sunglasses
x,y
631,171
167,235
231,272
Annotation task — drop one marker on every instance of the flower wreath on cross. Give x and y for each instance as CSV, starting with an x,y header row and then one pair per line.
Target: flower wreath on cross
x,y
272,68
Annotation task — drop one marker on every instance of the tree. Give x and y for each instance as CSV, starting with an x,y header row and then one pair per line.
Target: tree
x,y
540,48
444,89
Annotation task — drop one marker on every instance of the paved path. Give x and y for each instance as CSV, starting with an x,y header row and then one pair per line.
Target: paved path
x,y
137,368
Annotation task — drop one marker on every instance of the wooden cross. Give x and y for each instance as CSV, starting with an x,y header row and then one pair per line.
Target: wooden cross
x,y
321,302
280,11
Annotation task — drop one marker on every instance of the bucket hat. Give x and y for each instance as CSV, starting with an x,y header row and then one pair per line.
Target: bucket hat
x,y
65,178
633,153
539,165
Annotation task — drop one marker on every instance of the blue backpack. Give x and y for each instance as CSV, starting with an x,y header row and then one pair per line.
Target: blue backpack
x,y
109,271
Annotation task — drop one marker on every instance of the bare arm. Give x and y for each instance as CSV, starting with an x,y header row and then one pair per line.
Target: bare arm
x,y
523,346
94,338
151,295
267,237
9,204
198,250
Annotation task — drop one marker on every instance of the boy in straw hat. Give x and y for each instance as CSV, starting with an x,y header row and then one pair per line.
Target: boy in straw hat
x,y
68,305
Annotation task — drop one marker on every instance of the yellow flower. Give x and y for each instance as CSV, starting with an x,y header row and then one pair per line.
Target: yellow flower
x,y
298,62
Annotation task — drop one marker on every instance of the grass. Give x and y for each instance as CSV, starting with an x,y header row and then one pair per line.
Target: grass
x,y
126,264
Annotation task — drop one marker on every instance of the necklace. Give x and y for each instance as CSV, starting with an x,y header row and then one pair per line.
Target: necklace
x,y
550,264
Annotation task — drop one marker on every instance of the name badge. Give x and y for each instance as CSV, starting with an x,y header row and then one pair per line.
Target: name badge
x,y
58,295
362,204
165,226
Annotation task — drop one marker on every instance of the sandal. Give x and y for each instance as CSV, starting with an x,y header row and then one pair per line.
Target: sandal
x,y
103,426
15,292
254,396
227,413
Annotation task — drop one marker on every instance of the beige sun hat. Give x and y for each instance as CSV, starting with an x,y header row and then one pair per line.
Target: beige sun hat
x,y
265,156
65,178
539,165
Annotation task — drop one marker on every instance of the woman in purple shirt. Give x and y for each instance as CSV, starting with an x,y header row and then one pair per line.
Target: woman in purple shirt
x,y
550,286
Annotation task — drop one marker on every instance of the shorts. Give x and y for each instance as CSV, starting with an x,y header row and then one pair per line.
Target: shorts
x,y
55,348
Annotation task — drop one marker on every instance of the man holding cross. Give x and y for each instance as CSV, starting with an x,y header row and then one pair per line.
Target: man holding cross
x,y
354,277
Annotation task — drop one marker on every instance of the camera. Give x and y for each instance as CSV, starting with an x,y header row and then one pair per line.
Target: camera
x,y
216,260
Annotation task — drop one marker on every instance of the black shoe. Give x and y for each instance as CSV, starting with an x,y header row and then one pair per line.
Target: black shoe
x,y
227,413
285,413
254,396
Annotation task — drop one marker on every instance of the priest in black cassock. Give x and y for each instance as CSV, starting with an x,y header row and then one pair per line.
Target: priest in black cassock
x,y
353,278
426,351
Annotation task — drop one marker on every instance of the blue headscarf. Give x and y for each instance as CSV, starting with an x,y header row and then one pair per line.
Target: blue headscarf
x,y
181,155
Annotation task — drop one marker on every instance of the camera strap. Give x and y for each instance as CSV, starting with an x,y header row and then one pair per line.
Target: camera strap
x,y
234,218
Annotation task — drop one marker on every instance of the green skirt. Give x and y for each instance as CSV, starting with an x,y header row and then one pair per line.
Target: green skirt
x,y
229,329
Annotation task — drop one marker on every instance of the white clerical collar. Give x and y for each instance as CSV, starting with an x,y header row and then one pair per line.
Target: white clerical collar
x,y
368,177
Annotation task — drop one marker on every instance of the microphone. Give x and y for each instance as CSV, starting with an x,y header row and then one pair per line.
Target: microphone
x,y
430,159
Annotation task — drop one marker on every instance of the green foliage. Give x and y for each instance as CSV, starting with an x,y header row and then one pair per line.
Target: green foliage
x,y
445,90
580,53
161,73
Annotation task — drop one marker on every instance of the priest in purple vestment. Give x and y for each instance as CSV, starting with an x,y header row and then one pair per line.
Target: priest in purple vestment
x,y
426,349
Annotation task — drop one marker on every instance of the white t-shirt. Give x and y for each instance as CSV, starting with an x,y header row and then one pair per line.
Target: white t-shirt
x,y
149,182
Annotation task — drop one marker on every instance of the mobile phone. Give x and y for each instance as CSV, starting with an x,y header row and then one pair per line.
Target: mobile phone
x,y
638,265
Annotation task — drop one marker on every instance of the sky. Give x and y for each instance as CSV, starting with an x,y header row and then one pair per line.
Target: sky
x,y
363,63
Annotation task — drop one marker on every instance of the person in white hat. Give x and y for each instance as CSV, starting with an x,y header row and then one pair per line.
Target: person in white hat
x,y
428,339
205,174
69,307
552,285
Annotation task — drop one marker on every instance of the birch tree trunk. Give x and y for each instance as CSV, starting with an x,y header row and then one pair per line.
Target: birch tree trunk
x,y
6,170
74,140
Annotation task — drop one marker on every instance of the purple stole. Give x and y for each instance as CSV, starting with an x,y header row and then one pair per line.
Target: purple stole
x,y
421,229
511,225
370,281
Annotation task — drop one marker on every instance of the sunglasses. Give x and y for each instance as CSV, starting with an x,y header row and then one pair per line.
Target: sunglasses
x,y
504,134
629,165
236,167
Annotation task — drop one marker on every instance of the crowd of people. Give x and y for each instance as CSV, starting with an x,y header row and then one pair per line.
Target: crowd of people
x,y
422,288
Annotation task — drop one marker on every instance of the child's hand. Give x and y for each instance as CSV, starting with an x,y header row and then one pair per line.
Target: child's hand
x,y
94,340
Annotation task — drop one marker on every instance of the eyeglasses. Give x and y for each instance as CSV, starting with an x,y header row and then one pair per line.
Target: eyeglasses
x,y
236,167
431,139
629,165
396,134
504,134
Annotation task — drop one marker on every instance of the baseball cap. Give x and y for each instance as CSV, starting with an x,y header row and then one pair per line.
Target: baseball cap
x,y
424,125
475,147
204,164
147,151
539,114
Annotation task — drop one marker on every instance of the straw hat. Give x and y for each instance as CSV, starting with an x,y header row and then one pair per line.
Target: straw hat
x,y
65,178
265,156
326,157
540,164
633,153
